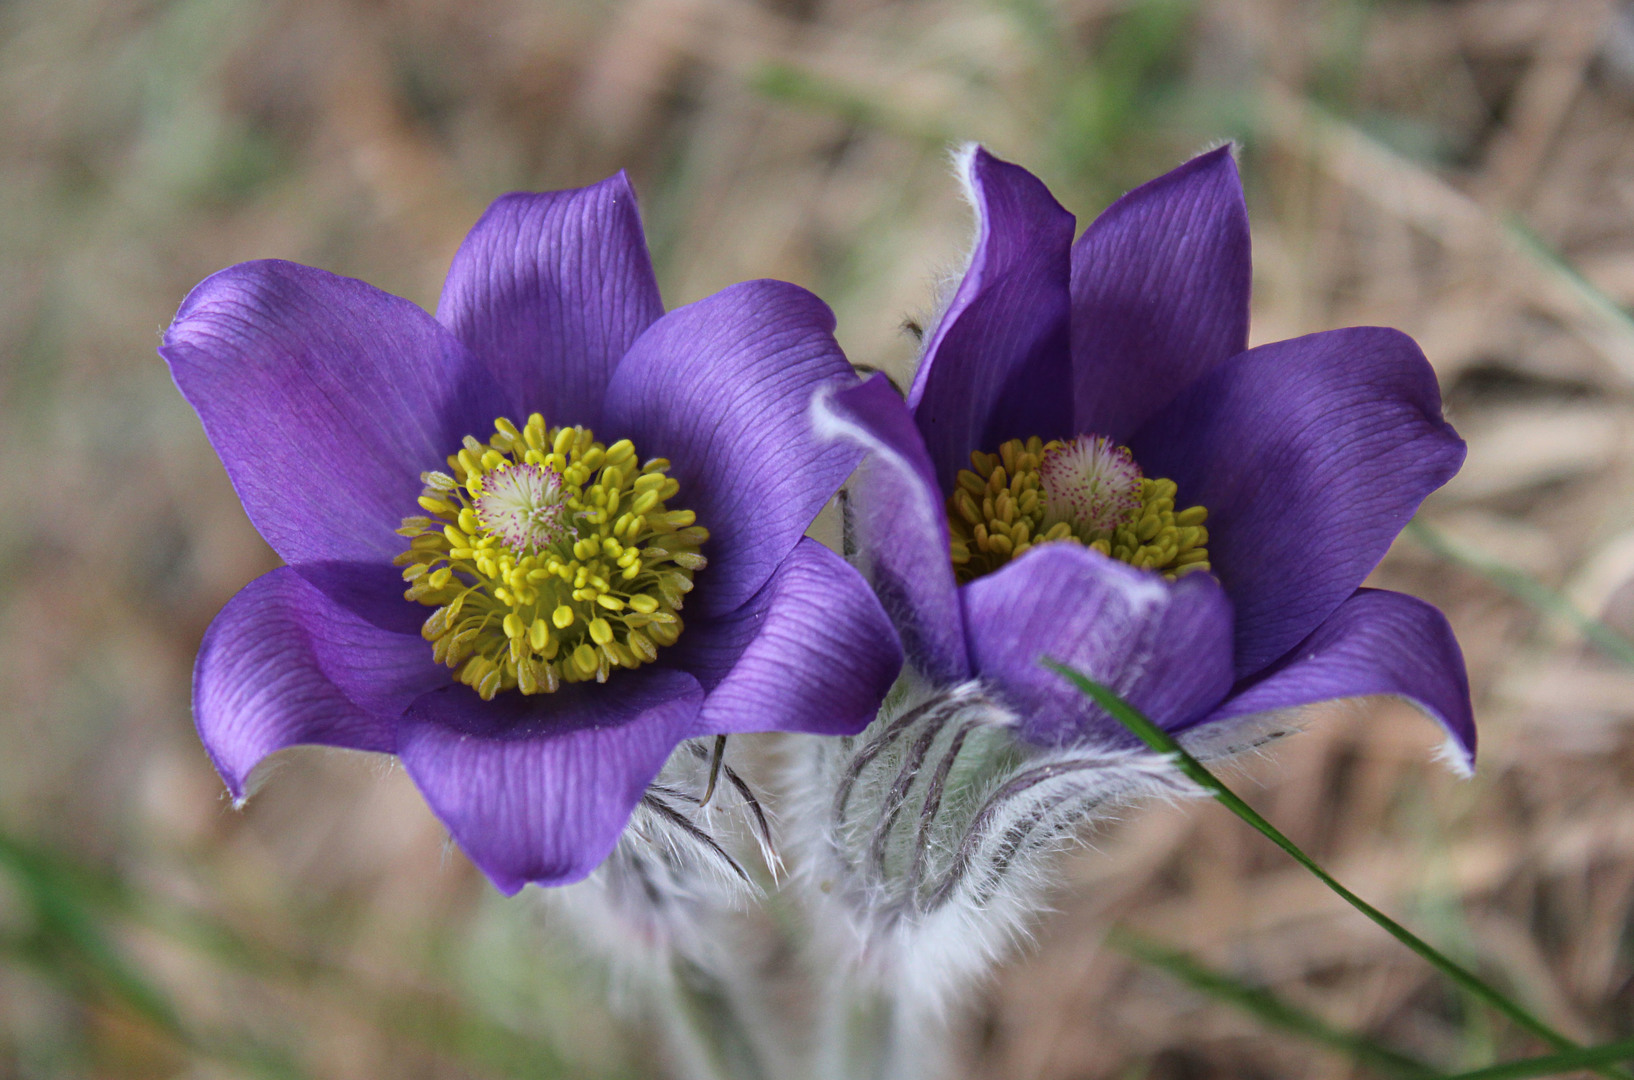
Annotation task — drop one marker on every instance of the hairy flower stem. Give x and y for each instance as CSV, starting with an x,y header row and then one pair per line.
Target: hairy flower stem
x,y
707,1028
881,1035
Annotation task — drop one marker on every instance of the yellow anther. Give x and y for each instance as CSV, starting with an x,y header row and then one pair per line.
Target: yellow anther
x,y
641,645
542,579
998,510
435,506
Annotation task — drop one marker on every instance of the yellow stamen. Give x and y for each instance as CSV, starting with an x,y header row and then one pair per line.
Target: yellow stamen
x,y
549,558
1001,508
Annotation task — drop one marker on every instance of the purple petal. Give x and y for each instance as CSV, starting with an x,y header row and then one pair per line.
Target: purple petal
x,y
901,527
997,366
1377,642
722,388
550,291
1165,648
1159,293
325,398
283,664
539,788
1310,455
811,651
373,591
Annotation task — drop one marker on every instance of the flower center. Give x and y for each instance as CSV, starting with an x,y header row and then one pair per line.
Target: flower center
x,y
549,557
523,505
1087,490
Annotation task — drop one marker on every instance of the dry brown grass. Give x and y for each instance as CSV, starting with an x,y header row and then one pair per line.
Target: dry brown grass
x,y
1390,151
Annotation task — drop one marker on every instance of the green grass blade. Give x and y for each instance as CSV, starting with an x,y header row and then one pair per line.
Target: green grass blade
x,y
1535,247
1592,1057
70,945
74,904
1268,1008
1528,590
1161,742
69,931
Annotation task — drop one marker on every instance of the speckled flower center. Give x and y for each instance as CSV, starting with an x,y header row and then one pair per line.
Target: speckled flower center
x,y
525,506
1086,490
549,557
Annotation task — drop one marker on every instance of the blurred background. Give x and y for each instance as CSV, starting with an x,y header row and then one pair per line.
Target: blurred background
x,y
1462,170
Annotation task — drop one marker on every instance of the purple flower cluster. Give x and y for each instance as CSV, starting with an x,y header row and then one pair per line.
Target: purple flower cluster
x,y
327,401
1308,456
537,673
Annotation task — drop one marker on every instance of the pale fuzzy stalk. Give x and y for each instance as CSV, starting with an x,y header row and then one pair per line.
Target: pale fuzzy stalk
x,y
926,846
717,1029
670,912
926,849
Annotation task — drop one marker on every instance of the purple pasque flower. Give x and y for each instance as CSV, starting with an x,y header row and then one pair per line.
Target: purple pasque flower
x,y
1227,502
567,542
